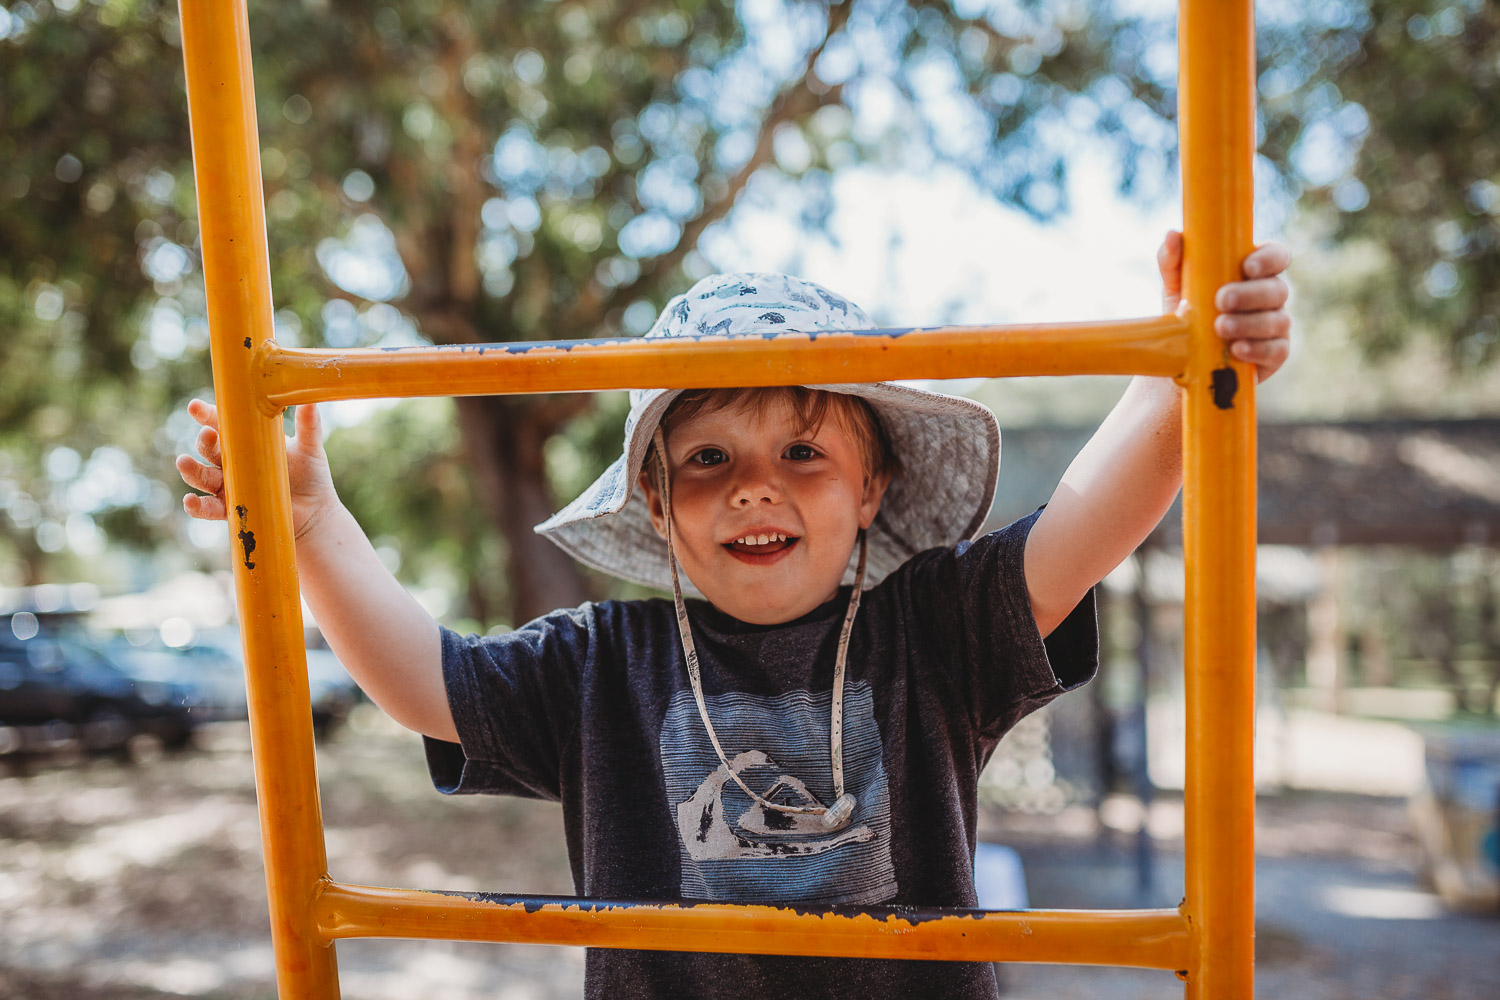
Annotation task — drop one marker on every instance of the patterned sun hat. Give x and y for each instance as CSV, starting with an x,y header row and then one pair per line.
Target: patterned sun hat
x,y
948,446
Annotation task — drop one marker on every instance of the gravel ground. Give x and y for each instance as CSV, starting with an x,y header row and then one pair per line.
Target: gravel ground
x,y
143,880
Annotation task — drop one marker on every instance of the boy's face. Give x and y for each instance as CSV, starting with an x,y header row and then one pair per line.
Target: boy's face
x,y
744,471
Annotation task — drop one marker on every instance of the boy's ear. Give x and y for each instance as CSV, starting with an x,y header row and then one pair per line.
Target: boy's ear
x,y
647,483
869,505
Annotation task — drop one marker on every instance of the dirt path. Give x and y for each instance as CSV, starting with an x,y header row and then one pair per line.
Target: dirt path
x,y
145,880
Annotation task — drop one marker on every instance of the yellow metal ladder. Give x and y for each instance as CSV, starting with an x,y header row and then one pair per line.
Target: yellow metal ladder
x,y
1208,940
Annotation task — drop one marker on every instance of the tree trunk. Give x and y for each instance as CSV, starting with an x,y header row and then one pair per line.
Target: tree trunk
x,y
504,438
1438,643
1489,633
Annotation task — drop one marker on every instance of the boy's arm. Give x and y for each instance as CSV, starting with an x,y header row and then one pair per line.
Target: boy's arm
x,y
1124,480
382,636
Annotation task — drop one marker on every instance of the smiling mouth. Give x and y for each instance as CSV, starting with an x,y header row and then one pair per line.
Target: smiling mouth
x,y
751,548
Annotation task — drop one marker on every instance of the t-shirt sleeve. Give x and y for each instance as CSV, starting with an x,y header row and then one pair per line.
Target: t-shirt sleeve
x,y
975,600
514,699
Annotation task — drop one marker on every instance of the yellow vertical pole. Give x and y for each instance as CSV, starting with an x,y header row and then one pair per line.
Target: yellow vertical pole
x,y
1216,41
236,266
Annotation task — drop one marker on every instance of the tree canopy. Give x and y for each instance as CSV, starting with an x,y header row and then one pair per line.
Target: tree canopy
x,y
462,172
1384,115
456,172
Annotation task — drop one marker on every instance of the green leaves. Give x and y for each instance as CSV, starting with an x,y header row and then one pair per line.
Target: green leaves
x,y
480,171
1386,112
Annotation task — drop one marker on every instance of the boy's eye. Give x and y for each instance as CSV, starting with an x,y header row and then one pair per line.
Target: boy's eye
x,y
708,456
800,452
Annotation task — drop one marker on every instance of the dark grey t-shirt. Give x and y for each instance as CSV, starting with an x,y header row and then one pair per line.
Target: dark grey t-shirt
x,y
591,706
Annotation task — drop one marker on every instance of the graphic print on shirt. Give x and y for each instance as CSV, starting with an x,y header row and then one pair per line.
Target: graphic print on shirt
x,y
734,849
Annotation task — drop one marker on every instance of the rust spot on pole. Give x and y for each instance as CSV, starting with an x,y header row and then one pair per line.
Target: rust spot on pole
x,y
1225,384
246,536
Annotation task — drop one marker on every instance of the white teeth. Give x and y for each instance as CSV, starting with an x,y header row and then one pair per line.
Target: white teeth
x,y
760,539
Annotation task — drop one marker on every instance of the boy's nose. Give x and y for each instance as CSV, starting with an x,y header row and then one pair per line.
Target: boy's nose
x,y
756,485
750,494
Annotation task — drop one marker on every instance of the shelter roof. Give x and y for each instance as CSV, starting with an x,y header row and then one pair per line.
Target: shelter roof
x,y
1430,483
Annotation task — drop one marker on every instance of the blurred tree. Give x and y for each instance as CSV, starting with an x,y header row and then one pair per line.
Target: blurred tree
x,y
92,217
1387,113
474,172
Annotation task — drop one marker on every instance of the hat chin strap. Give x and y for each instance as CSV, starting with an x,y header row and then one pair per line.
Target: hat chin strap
x,y
837,815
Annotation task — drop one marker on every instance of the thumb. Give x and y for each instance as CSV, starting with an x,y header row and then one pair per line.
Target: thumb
x,y
309,429
1169,262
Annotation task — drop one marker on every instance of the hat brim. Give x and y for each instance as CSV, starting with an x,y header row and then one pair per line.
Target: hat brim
x,y
949,448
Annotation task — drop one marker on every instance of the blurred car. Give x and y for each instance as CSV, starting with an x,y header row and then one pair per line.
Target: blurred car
x,y
215,678
56,687
331,690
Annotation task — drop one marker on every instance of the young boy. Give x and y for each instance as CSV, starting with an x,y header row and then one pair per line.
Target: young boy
x,y
792,737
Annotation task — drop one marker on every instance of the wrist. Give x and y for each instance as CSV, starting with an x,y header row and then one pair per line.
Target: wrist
x,y
316,517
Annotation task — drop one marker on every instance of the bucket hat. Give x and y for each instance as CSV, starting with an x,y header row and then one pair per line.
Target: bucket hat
x,y
949,446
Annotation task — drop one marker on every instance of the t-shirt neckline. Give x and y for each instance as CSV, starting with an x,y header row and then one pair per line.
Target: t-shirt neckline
x,y
705,614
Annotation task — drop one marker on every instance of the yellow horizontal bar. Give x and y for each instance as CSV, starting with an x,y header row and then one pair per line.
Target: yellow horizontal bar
x,y
1153,939
1155,345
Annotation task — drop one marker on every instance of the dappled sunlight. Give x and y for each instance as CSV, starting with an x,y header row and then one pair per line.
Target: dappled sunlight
x,y
148,877
153,841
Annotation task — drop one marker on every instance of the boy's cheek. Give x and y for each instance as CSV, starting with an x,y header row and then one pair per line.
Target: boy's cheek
x,y
690,518
689,499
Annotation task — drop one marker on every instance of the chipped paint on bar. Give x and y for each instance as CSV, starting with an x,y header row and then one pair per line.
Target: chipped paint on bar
x,y
1154,345
1140,938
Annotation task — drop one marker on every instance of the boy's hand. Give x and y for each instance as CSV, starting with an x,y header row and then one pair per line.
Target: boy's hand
x,y
311,484
1252,313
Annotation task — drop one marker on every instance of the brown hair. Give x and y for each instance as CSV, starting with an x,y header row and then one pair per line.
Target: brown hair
x,y
810,407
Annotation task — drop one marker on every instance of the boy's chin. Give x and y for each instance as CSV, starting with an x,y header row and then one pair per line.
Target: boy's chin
x,y
767,595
